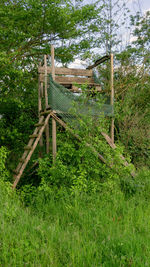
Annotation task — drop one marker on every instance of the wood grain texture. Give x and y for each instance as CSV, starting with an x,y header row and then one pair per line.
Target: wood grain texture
x,y
70,80
67,71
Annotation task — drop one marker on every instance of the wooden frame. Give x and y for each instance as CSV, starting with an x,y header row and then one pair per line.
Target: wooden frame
x,y
45,115
68,77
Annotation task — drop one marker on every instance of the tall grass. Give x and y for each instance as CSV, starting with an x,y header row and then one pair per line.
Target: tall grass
x,y
82,230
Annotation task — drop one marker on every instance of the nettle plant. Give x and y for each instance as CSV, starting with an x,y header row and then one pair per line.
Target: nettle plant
x,y
77,165
4,174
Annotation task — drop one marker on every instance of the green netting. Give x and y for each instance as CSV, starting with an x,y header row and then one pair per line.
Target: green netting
x,y
71,105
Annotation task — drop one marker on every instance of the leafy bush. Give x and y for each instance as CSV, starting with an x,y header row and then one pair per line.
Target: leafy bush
x,y
77,166
4,174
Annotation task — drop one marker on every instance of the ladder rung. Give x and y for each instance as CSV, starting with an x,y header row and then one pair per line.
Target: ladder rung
x,y
27,147
45,112
33,136
39,124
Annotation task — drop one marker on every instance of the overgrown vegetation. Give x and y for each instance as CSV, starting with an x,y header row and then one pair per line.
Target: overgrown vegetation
x,y
76,211
107,228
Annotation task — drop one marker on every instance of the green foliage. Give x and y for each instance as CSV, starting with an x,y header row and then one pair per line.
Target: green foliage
x,y
81,230
133,109
142,34
78,167
27,28
30,22
4,174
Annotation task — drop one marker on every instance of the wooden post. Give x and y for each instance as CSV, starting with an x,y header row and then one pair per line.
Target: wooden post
x,y
46,105
54,146
40,107
112,94
52,62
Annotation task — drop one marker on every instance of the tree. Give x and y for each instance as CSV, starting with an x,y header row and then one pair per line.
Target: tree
x,y
113,16
132,92
27,28
142,37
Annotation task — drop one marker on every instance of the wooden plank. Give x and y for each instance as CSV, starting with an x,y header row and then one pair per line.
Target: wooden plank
x,y
112,145
67,71
17,177
70,80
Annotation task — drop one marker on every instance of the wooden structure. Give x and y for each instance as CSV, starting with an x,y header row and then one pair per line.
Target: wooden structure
x,y
29,149
66,77
69,76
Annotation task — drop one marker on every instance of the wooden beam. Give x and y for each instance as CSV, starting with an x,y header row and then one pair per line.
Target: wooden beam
x,y
40,108
70,80
112,94
54,145
46,105
42,91
112,145
98,62
52,62
67,71
39,96
45,79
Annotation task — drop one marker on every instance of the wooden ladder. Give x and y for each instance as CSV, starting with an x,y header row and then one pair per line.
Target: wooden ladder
x,y
29,149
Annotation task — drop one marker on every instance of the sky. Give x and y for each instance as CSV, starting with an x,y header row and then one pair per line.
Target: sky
x,y
139,5
134,6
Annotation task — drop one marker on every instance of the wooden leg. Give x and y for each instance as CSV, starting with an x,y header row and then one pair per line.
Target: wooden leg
x,y
40,145
54,148
112,130
47,138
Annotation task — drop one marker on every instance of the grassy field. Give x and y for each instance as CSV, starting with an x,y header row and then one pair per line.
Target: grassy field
x,y
80,230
